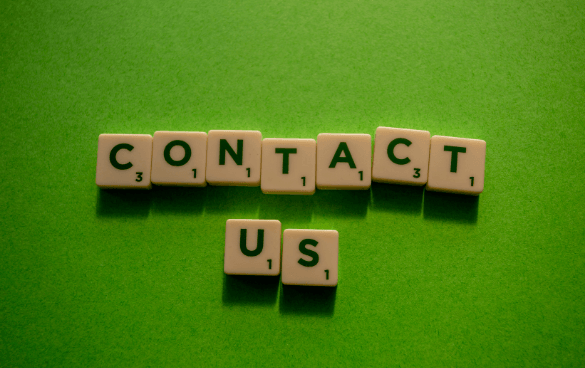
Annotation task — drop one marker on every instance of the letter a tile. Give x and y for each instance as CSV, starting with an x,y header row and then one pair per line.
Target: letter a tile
x,y
344,161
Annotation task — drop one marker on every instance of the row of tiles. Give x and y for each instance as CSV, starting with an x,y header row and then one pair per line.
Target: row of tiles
x,y
309,257
291,166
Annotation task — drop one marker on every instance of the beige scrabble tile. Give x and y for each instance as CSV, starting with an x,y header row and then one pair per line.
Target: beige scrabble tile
x,y
288,166
401,156
234,157
179,158
310,257
124,161
252,247
344,161
457,165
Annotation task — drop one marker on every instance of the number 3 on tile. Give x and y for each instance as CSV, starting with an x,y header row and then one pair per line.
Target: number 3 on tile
x,y
138,176
416,173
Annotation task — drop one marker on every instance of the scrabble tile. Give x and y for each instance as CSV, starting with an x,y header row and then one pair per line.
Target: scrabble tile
x,y
401,156
344,161
288,166
252,247
457,165
179,158
310,257
234,157
124,161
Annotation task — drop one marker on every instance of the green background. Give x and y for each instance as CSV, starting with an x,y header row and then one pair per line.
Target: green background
x,y
92,278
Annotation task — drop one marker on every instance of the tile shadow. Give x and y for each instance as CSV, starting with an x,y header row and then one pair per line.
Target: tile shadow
x,y
307,300
450,207
235,201
123,203
178,200
294,208
397,198
249,290
341,203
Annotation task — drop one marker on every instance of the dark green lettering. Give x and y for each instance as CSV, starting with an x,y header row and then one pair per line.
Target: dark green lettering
x,y
113,153
285,153
392,157
454,151
244,249
225,146
303,249
184,160
342,148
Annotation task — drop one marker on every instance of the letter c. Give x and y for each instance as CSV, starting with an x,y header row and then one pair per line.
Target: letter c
x,y
392,157
113,153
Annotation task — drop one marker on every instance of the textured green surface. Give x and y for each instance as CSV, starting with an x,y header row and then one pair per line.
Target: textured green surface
x,y
94,279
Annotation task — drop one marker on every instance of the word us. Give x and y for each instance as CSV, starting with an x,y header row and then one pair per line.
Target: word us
x,y
291,166
309,257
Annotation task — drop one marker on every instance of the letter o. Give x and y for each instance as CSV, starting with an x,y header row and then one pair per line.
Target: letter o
x,y
184,160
